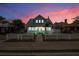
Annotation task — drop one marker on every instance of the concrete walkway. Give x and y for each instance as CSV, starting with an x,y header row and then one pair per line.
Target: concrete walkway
x,y
55,45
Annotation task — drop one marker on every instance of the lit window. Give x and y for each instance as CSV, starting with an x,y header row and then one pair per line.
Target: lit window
x,y
39,29
43,28
29,29
42,21
36,21
36,28
33,28
48,28
39,21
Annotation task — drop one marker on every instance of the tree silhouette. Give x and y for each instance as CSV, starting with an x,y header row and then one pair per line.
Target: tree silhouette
x,y
76,22
76,18
1,18
18,25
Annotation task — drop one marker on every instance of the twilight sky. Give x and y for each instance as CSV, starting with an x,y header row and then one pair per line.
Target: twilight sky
x,y
56,11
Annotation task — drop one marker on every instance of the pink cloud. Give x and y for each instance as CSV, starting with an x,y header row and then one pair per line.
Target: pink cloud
x,y
55,16
43,11
67,13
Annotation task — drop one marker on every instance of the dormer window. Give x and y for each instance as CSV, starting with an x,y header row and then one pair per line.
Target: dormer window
x,y
36,21
42,21
39,21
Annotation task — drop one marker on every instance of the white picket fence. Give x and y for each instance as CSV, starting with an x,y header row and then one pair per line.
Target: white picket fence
x,y
19,36
65,36
56,36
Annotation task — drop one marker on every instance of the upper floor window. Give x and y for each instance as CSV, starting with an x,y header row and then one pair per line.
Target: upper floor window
x,y
39,21
42,21
36,21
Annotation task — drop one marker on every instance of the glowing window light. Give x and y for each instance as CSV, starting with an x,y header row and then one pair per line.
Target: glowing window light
x,y
42,28
36,21
33,28
39,21
36,28
48,28
42,21
29,29
39,29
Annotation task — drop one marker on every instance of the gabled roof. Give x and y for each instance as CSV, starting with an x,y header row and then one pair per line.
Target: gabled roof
x,y
39,16
31,22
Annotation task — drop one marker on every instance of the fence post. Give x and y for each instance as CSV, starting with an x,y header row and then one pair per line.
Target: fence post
x,y
57,36
69,36
21,36
6,36
18,36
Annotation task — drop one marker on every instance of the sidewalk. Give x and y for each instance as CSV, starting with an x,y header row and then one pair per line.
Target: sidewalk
x,y
40,48
54,45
